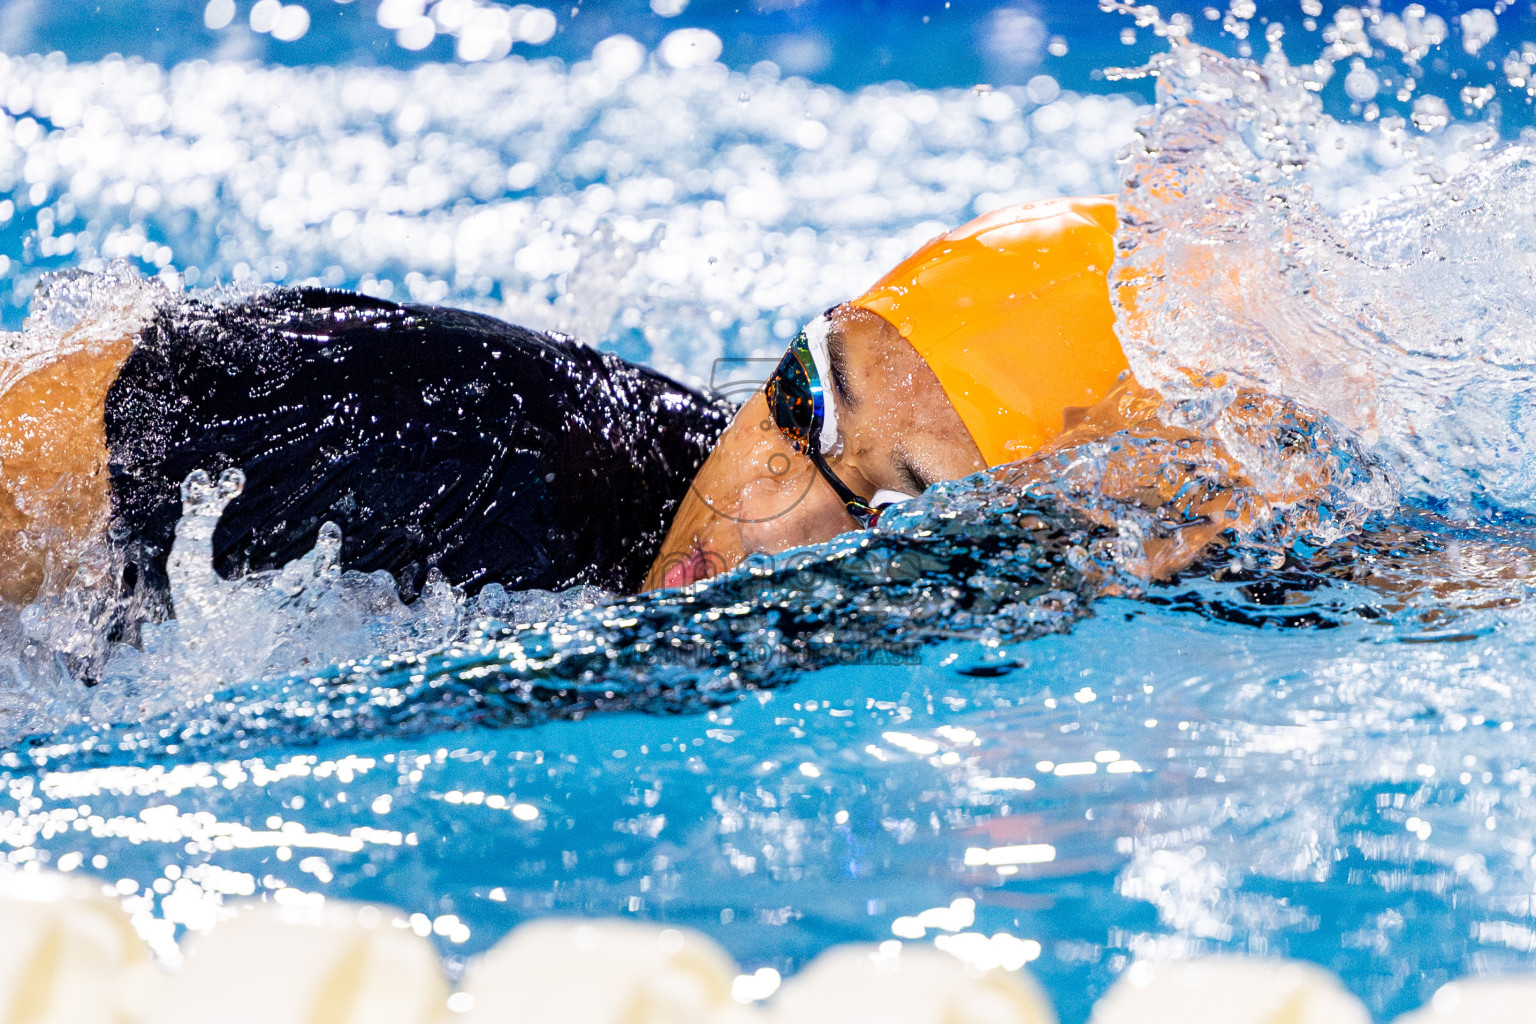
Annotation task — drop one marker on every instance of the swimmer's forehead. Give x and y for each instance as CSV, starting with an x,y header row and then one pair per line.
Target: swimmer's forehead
x,y
850,332
852,336
836,335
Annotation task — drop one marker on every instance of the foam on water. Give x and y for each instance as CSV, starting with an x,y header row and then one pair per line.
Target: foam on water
x,y
302,619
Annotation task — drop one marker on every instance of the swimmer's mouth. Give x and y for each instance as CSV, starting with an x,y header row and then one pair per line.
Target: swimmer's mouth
x,y
691,568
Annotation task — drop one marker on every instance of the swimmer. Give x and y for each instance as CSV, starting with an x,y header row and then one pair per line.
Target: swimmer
x,y
450,442
991,343
438,440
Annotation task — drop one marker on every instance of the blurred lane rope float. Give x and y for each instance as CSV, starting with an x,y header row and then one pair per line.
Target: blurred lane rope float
x,y
69,955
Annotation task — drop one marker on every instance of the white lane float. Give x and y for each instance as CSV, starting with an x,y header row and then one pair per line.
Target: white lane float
x,y
894,982
557,971
68,954
1228,990
340,963
1479,1001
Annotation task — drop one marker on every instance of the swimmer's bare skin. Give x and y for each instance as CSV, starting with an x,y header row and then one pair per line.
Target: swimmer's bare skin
x,y
756,494
55,495
54,488
1131,477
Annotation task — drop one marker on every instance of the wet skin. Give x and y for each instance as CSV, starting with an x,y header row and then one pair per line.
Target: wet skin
x,y
756,494
54,490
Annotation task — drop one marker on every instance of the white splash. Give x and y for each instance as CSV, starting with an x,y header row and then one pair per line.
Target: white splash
x,y
1405,320
303,618
76,311
736,205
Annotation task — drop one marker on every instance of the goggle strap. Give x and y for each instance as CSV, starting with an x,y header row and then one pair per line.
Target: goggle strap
x,y
856,506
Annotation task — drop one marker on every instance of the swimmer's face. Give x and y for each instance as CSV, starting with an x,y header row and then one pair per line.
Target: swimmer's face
x,y
757,495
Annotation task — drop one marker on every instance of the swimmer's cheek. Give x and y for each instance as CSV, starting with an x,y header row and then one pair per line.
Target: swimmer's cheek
x,y
769,516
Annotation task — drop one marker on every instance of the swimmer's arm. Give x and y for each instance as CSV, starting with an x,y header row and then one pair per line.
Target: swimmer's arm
x,y
54,488
1190,540
1187,481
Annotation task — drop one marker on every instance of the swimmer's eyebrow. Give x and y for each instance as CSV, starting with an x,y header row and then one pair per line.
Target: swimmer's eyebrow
x,y
838,355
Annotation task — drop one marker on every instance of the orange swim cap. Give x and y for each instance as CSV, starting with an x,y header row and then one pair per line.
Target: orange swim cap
x,y
1012,314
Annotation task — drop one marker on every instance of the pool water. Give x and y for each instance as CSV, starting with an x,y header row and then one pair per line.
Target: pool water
x,y
1317,745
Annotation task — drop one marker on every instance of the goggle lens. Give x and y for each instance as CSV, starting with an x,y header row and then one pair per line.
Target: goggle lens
x,y
793,402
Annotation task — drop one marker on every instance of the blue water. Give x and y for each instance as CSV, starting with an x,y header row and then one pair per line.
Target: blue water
x,y
1277,771
1329,759
926,43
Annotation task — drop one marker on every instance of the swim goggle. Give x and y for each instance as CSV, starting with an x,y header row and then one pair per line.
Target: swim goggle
x,y
805,414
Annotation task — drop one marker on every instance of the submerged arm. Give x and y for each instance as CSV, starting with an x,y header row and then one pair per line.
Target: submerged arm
x,y
1116,457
